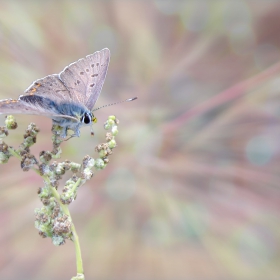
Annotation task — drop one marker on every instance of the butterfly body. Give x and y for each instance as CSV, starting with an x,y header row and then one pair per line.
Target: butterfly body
x,y
81,117
67,98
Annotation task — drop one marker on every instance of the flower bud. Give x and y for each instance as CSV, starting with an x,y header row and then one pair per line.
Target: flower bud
x,y
115,130
11,122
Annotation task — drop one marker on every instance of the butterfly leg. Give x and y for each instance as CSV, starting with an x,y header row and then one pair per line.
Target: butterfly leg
x,y
63,132
76,131
65,129
65,126
75,134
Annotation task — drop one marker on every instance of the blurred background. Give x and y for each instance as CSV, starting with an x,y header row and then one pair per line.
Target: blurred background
x,y
192,190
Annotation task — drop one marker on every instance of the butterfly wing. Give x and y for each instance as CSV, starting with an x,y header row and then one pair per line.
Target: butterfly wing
x,y
36,100
84,78
51,87
31,105
80,82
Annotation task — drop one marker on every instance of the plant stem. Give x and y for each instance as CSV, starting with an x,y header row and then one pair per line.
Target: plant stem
x,y
222,98
79,262
14,153
77,184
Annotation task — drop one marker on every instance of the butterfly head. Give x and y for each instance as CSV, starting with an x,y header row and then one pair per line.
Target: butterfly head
x,y
87,118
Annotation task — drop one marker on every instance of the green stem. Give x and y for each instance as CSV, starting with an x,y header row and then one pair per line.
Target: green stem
x,y
77,184
66,211
14,153
79,261
75,239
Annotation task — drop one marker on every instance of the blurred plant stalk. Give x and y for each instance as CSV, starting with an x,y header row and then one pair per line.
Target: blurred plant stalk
x,y
222,98
53,219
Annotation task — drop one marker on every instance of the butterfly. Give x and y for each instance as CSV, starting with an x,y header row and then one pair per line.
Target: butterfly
x,y
67,98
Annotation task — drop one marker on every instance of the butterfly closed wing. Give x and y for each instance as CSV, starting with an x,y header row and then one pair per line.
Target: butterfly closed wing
x,y
67,98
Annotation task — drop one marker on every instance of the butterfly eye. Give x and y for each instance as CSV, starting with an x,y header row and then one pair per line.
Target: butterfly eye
x,y
86,119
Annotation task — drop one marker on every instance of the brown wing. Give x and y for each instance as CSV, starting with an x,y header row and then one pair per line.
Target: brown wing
x,y
85,77
51,87
80,82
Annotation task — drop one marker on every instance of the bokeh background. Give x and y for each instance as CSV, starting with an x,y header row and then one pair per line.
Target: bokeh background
x,y
192,190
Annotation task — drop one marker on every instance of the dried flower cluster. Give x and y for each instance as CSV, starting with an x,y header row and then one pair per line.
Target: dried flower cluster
x,y
53,218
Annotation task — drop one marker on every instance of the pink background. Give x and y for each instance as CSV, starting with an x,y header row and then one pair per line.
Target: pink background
x,y
192,190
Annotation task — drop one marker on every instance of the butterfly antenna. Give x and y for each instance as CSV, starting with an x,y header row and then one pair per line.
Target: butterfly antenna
x,y
127,100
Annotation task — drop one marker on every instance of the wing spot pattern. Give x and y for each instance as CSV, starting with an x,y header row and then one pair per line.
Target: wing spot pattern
x,y
8,101
87,70
92,65
82,73
92,85
77,82
97,64
94,75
